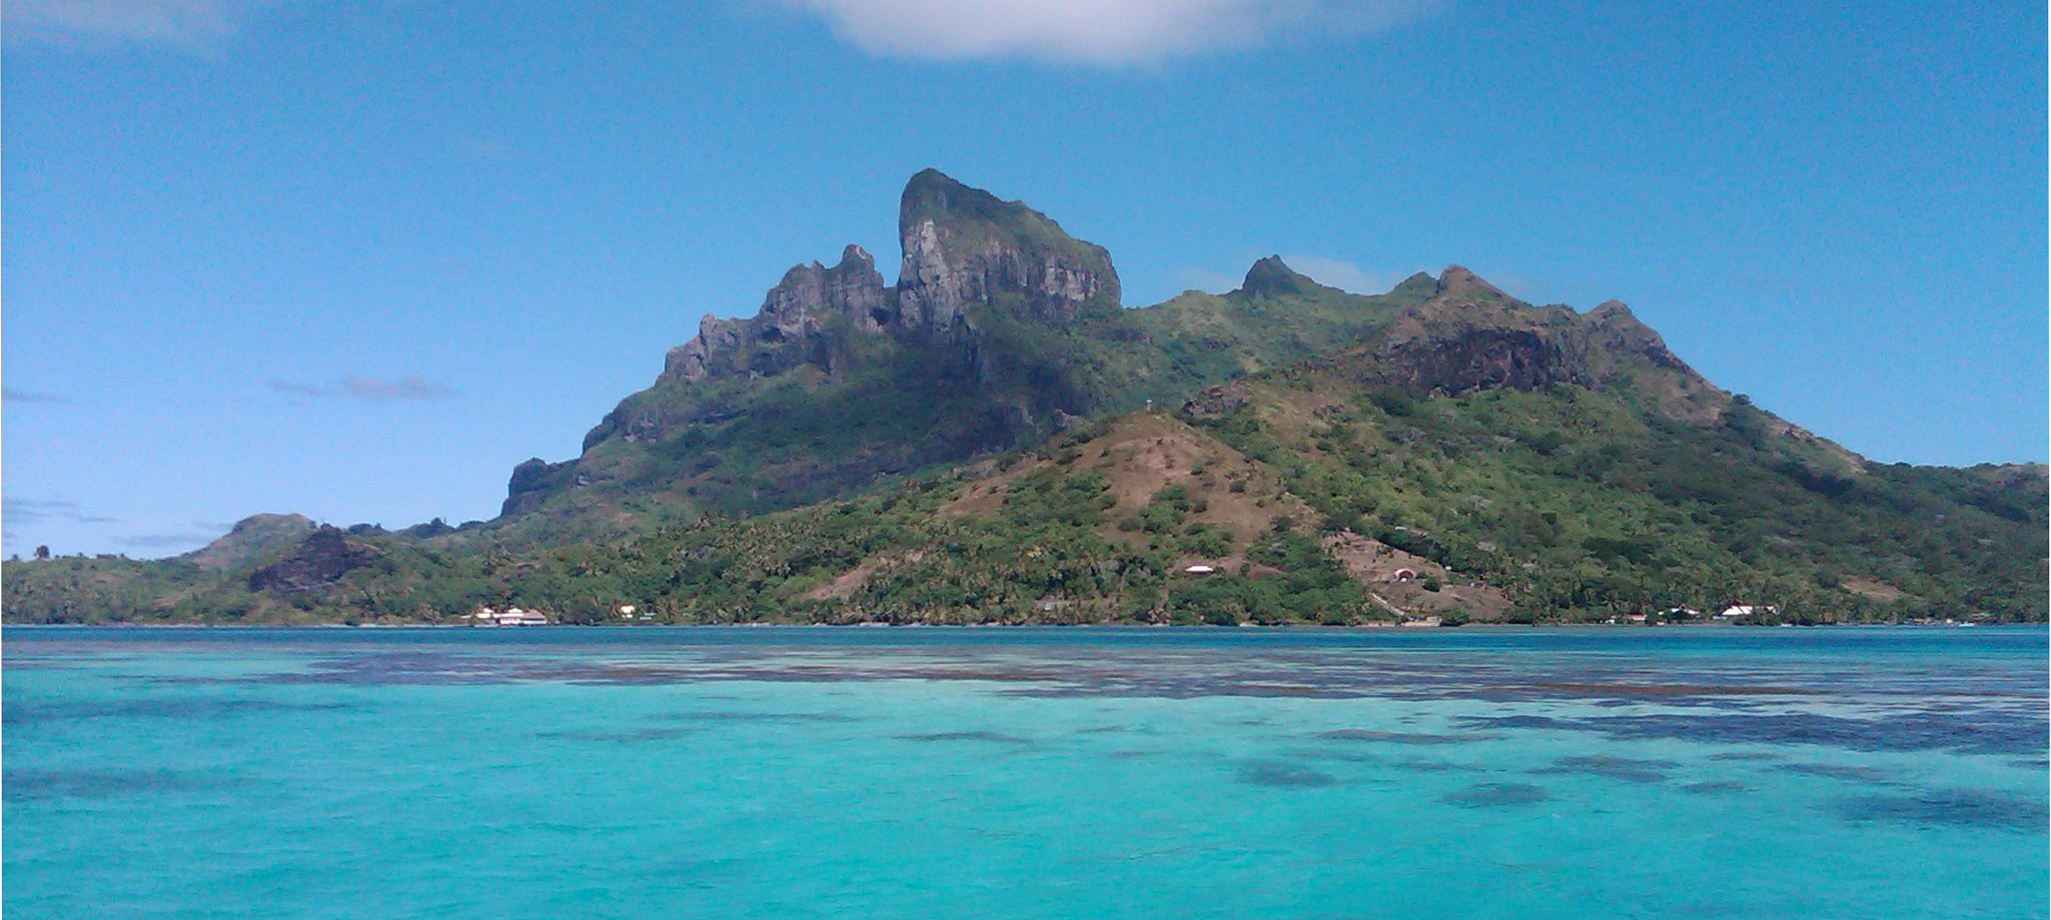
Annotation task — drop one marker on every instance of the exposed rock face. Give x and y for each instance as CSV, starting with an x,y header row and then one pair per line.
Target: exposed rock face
x,y
1271,277
963,335
790,329
324,556
532,480
1214,402
963,248
1472,336
962,245
1456,280
1483,359
1611,326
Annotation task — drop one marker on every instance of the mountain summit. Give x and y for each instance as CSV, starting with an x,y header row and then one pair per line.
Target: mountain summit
x,y
999,328
1271,277
965,251
963,246
993,437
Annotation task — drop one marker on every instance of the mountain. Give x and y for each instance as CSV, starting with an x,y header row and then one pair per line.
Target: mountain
x,y
254,539
999,330
1575,461
994,438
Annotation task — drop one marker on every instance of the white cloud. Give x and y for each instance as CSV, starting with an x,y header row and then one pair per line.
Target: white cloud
x,y
1200,279
186,539
408,387
30,396
411,386
37,511
1105,32
190,25
1344,275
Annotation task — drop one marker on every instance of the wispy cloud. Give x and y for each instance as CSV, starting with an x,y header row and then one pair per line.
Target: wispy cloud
x,y
189,538
188,25
1203,279
1098,32
299,389
485,147
411,386
30,396
35,511
1337,273
408,387
1344,275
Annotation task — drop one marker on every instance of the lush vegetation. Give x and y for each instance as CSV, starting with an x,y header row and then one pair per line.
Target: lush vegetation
x,y
1583,505
751,445
1495,486
1284,453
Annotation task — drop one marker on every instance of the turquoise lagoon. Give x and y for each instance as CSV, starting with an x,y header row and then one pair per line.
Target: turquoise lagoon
x,y
1060,773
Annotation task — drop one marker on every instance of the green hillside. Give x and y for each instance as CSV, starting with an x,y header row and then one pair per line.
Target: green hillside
x,y
1000,329
994,439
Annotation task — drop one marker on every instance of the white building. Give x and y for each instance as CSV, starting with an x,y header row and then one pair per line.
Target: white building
x,y
511,616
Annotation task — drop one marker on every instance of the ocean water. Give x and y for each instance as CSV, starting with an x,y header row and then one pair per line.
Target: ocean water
x,y
1059,773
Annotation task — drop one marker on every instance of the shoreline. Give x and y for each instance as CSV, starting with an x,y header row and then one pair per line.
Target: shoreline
x,y
1135,627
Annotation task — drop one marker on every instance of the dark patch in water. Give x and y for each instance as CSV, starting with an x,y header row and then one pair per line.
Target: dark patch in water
x,y
1949,808
1839,771
1716,786
149,707
1666,689
1613,767
714,715
35,663
638,734
1270,773
1746,755
1368,734
23,784
1517,722
967,736
1973,732
1434,766
1341,754
1101,729
1486,795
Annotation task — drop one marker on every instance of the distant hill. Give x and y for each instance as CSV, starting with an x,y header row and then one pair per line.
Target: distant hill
x,y
994,438
254,539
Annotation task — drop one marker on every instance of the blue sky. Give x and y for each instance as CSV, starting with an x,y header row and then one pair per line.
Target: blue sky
x,y
357,260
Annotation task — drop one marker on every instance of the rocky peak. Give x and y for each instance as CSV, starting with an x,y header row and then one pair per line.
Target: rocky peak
x,y
1457,281
852,290
1609,311
1470,335
963,246
1271,277
788,329
1613,329
252,537
322,558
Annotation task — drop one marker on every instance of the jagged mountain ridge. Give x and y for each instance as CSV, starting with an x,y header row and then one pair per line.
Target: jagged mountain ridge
x,y
1522,460
1000,329
962,247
